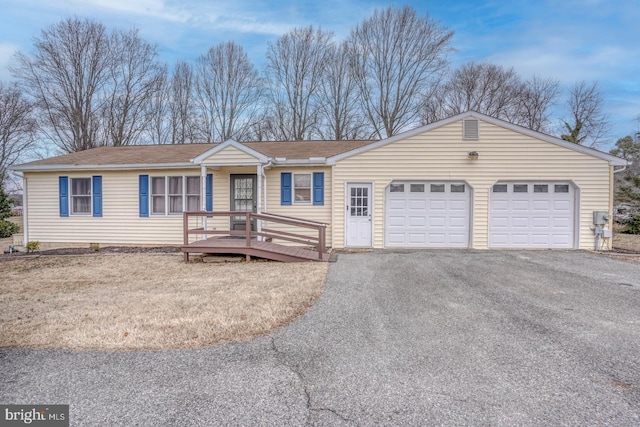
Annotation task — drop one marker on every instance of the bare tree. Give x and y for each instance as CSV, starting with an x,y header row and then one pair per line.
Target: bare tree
x,y
535,103
486,88
135,79
399,59
295,69
181,105
339,105
17,127
159,130
228,92
66,75
495,91
587,124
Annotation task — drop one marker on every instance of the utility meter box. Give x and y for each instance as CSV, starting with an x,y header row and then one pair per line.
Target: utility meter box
x,y
601,217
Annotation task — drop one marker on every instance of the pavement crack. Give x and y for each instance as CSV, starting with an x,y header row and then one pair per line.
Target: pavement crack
x,y
294,369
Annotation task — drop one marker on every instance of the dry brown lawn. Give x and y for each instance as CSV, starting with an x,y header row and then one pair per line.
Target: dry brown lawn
x,y
148,302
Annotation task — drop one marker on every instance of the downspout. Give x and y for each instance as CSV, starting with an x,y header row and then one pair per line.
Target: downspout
x,y
264,188
203,196
25,212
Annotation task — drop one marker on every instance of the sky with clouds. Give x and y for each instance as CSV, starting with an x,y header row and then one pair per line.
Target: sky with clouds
x,y
569,40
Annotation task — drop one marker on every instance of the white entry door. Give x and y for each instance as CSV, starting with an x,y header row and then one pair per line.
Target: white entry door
x,y
359,215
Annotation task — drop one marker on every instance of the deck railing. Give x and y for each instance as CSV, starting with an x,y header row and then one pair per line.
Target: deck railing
x,y
263,228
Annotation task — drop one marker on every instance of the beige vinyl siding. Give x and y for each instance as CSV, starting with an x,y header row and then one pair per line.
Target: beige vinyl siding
x,y
231,156
120,223
309,211
504,155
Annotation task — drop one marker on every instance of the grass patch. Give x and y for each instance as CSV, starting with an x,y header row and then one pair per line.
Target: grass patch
x,y
148,302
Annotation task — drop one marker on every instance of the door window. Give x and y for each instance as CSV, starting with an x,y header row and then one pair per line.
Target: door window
x,y
359,201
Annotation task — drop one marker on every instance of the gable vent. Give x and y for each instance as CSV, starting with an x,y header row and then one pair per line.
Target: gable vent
x,y
470,129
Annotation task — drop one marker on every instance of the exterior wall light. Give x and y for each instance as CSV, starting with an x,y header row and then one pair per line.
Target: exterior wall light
x,y
473,155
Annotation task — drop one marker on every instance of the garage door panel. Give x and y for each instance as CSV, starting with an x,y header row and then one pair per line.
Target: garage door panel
x,y
562,205
540,239
419,205
520,205
457,222
541,205
520,222
531,219
417,238
396,205
434,218
538,222
417,221
437,205
437,222
396,221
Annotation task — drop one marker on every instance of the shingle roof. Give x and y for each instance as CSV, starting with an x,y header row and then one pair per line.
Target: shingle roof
x,y
183,153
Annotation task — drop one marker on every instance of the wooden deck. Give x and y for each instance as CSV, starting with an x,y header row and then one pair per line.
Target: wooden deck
x,y
268,250
257,243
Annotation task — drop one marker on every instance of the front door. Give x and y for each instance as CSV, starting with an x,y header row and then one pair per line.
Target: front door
x,y
243,199
359,215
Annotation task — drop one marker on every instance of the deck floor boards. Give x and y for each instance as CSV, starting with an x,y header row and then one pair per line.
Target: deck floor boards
x,y
257,248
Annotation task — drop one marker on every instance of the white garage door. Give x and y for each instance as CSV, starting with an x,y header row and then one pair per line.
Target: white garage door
x,y
427,214
532,215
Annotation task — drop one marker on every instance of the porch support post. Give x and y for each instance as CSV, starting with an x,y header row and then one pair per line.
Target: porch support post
x,y
259,201
203,196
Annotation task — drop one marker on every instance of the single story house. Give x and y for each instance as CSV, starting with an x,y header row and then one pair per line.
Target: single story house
x,y
469,181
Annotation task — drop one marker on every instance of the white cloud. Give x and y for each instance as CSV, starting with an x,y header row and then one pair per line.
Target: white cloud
x,y
148,8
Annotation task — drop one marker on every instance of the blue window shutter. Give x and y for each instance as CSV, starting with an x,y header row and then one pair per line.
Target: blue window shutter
x,y
144,195
97,195
285,188
209,191
63,187
318,188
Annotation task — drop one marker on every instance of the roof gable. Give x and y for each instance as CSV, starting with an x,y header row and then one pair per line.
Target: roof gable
x,y
230,152
613,160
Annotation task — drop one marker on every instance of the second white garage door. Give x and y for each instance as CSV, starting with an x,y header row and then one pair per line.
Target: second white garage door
x,y
427,214
532,215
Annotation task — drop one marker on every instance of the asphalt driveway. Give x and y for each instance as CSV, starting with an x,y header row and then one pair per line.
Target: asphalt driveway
x,y
415,338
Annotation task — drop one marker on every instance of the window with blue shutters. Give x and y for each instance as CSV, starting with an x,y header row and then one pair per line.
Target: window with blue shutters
x,y
80,196
302,188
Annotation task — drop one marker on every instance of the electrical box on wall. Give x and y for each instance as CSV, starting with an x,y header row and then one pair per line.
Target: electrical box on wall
x,y
601,217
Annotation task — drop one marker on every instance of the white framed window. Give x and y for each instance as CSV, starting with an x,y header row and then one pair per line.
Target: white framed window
x,y
158,199
173,195
81,196
302,188
193,193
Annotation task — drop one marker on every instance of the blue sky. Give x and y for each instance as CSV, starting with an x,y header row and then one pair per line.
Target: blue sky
x,y
569,40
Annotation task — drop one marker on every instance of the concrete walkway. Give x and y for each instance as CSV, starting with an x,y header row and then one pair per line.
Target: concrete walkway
x,y
415,338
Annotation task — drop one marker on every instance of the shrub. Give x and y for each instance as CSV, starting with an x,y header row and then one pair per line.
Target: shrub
x,y
632,225
8,228
33,246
